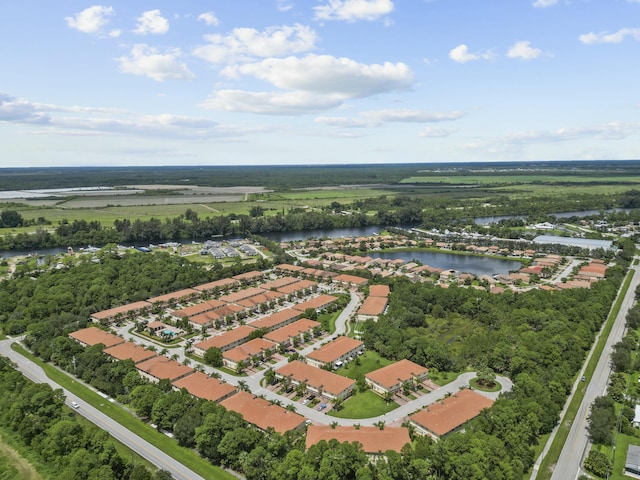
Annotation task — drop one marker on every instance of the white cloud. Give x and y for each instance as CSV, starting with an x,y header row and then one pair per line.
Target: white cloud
x,y
436,132
524,51
375,118
115,33
209,18
78,120
18,110
284,6
514,141
273,103
90,20
152,21
461,54
605,37
328,75
243,44
353,10
544,3
146,61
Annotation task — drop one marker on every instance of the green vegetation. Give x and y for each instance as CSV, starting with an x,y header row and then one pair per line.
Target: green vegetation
x,y
364,405
363,364
124,418
14,466
565,424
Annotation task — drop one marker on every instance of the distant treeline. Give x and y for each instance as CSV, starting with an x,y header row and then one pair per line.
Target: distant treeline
x,y
293,176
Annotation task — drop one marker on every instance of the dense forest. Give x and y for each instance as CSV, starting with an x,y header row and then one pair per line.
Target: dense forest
x,y
537,338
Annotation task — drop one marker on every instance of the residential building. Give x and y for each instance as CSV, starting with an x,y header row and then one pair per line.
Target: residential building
x,y
256,348
202,386
161,368
335,353
130,351
392,377
372,308
187,295
449,414
121,312
317,303
225,341
318,381
90,336
350,280
262,413
277,320
286,335
375,442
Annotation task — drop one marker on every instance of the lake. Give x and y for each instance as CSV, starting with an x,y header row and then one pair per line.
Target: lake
x,y
474,264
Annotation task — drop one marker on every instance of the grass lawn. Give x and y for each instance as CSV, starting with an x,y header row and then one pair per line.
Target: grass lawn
x,y
187,457
445,377
369,361
364,405
495,388
332,317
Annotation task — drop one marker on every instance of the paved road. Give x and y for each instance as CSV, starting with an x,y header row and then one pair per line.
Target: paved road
x,y
577,443
117,431
253,381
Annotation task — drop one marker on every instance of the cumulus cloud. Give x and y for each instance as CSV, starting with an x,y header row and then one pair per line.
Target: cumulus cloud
x,y
90,20
353,10
605,37
284,6
152,21
147,61
461,54
209,18
544,3
523,50
375,118
328,75
244,44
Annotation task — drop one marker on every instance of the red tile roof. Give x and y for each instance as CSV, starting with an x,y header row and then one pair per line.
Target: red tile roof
x,y
225,339
372,439
93,336
200,385
275,319
247,350
123,309
396,373
330,352
187,292
130,351
379,290
373,306
221,284
329,382
162,367
445,416
288,331
320,301
262,413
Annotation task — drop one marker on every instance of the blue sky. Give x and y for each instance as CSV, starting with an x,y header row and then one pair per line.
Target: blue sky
x,y
245,82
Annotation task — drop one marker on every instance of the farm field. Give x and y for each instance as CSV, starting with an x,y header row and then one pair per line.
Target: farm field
x,y
461,179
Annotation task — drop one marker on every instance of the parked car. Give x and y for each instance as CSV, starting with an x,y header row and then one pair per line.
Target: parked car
x,y
322,406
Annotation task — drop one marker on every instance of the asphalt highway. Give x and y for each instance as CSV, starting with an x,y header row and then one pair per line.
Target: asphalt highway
x,y
117,431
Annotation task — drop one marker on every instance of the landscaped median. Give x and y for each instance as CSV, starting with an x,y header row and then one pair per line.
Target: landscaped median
x,y
185,456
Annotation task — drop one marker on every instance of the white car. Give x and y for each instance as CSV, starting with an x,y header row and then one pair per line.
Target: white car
x,y
75,405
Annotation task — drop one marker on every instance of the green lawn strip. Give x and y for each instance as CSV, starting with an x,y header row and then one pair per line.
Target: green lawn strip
x,y
565,423
620,457
369,361
19,461
474,384
364,405
443,378
188,458
331,320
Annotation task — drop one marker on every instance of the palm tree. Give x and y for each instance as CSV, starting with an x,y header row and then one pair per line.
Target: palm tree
x,y
242,385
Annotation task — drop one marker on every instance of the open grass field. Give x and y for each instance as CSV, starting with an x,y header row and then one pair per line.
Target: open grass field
x,y
364,405
368,362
